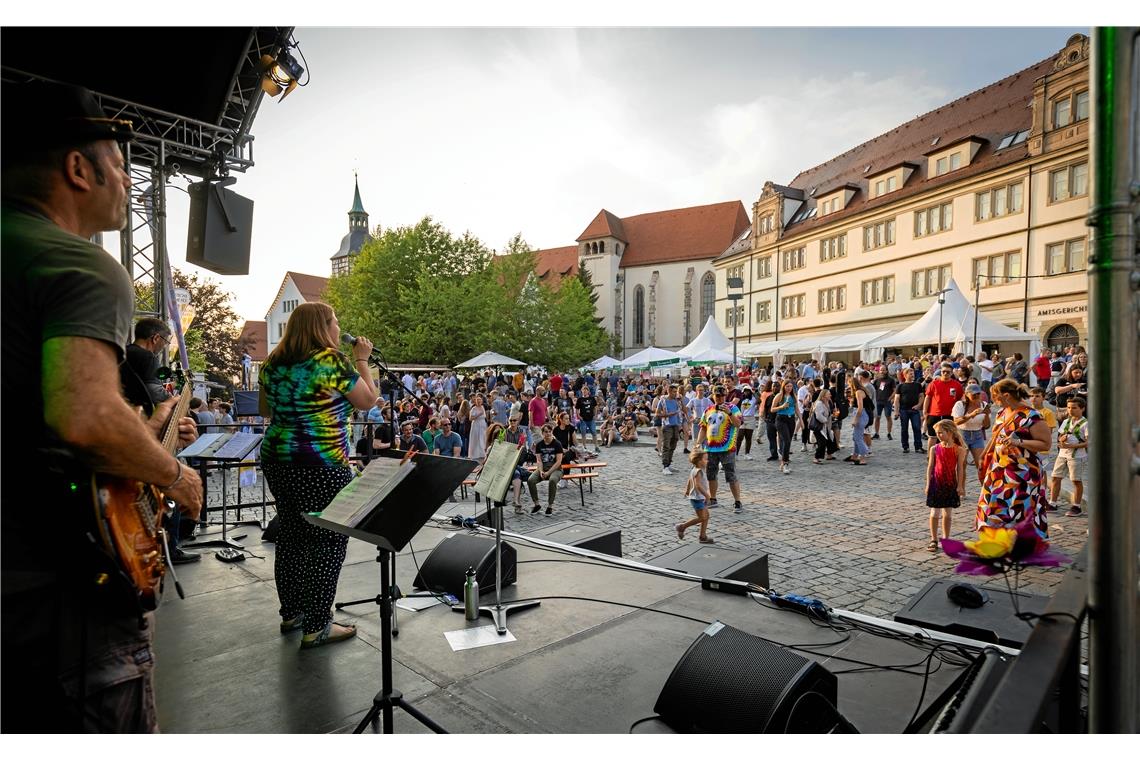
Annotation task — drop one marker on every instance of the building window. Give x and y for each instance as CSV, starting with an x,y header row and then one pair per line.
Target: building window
x,y
734,317
955,161
793,306
736,271
639,316
879,234
997,269
1062,113
1070,182
879,290
1061,337
930,221
708,297
998,201
767,224
833,247
1082,106
763,267
280,330
794,259
833,299
927,282
290,305
764,311
1065,257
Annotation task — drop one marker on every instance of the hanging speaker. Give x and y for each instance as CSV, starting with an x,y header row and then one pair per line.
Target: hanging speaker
x,y
732,682
220,228
445,569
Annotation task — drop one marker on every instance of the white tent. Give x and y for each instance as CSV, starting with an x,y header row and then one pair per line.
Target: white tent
x,y
710,337
651,357
490,359
710,356
957,320
604,362
861,342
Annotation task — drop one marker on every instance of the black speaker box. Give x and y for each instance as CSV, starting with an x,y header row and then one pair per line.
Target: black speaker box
x,y
245,403
729,681
581,535
445,569
220,229
994,622
714,562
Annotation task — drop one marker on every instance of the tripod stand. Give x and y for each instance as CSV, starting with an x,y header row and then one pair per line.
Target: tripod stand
x,y
500,611
388,698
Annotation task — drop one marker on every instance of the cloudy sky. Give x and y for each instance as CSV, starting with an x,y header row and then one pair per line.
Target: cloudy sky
x,y
501,131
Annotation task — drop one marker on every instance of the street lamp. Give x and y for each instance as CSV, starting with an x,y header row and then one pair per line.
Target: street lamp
x,y
735,283
941,301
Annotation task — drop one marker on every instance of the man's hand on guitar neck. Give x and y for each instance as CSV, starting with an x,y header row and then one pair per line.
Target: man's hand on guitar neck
x,y
187,428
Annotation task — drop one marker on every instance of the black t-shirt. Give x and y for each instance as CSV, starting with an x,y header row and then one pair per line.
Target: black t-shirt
x,y
586,408
414,443
564,404
564,435
910,393
547,452
884,389
53,285
138,374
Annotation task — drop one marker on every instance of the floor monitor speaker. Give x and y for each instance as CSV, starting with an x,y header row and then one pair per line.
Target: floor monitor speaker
x,y
445,569
729,681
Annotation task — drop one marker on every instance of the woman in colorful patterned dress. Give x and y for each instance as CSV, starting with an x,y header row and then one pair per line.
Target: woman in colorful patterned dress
x,y
309,388
1012,480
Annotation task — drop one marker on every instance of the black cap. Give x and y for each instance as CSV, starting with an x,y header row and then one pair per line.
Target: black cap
x,y
46,115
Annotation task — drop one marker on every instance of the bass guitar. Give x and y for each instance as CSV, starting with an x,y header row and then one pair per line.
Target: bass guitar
x,y
128,515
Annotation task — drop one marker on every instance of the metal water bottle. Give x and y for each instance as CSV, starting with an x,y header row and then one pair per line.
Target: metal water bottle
x,y
471,596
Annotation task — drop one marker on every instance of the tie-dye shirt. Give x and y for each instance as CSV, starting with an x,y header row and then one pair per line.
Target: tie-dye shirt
x,y
720,430
309,410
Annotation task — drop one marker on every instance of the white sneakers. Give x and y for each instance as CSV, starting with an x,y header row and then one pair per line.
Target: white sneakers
x,y
747,456
666,471
785,468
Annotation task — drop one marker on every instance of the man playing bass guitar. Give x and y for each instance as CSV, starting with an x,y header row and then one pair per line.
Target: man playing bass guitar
x,y
76,650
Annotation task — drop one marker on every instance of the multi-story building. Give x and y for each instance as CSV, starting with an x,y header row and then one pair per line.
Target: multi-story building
x,y
653,272
991,190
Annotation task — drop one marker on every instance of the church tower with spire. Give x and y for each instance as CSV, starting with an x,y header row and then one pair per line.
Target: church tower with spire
x,y
357,236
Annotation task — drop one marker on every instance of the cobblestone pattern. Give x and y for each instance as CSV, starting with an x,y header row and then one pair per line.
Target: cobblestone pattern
x,y
852,536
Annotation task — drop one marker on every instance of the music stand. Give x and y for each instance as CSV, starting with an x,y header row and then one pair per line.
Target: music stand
x,y
220,447
494,480
390,525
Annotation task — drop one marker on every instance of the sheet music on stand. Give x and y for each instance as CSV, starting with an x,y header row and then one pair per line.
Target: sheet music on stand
x,y
235,446
495,477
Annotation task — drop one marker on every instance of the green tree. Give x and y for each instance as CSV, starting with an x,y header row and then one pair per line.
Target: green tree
x,y
213,342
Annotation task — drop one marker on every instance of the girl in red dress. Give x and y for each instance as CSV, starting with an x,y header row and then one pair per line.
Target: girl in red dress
x,y
945,478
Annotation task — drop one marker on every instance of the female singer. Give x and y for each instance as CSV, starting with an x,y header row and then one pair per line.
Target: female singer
x,y
309,388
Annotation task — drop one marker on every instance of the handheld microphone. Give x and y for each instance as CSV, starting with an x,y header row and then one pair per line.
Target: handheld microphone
x,y
349,339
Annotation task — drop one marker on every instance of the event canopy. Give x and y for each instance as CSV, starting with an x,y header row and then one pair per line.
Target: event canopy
x,y
710,356
604,362
651,357
957,321
710,337
490,359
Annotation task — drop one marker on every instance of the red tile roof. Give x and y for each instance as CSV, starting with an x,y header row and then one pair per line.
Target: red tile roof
x,y
311,286
552,264
257,333
605,224
989,113
683,234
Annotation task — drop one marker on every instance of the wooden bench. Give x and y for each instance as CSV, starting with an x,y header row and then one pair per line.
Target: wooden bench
x,y
588,471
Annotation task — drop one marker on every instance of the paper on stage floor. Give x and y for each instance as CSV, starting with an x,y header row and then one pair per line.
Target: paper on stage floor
x,y
470,638
417,603
357,499
495,477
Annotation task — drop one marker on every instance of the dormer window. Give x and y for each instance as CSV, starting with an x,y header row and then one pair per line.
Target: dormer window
x,y
767,224
953,156
1070,109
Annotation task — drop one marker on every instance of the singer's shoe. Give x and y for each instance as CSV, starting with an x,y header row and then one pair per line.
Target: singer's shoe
x,y
328,635
293,624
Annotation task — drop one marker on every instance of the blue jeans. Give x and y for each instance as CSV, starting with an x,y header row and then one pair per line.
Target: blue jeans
x,y
860,423
911,420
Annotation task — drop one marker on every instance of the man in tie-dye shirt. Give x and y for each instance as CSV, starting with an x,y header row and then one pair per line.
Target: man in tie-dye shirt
x,y
718,434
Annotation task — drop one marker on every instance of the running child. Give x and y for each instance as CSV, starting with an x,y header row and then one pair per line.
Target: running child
x,y
697,489
945,478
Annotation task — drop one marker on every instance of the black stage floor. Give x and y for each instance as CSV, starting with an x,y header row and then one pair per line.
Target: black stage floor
x,y
576,667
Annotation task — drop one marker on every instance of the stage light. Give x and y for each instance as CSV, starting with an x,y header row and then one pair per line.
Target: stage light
x,y
281,73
